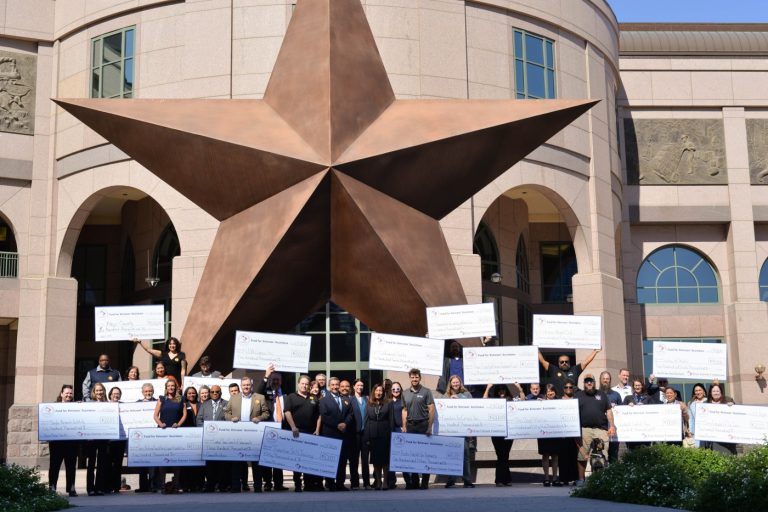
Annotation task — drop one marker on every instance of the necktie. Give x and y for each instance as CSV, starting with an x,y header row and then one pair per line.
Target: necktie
x,y
215,408
338,402
278,409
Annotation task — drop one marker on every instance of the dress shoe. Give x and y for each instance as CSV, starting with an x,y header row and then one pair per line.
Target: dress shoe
x,y
98,493
267,487
72,494
91,493
469,485
342,488
449,484
424,485
280,488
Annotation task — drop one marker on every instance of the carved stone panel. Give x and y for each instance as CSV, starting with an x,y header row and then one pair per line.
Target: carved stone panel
x,y
675,151
18,77
757,148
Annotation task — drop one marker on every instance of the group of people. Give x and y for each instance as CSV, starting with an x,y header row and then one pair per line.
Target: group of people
x,y
364,423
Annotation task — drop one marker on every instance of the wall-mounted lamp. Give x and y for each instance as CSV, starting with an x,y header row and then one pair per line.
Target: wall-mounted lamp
x,y
496,278
759,371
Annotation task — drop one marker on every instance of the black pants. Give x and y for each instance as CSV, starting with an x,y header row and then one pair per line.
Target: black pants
x,y
62,451
116,453
217,474
273,477
502,447
98,467
359,455
341,469
412,479
239,474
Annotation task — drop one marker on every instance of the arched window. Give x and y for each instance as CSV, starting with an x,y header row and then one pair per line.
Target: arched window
x,y
763,281
521,267
485,246
166,249
676,275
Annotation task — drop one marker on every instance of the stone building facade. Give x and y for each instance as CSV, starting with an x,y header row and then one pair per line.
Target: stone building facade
x,y
650,211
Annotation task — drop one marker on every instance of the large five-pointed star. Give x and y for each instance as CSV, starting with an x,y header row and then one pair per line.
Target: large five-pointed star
x,y
327,189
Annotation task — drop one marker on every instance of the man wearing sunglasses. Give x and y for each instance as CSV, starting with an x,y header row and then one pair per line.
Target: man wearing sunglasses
x,y
213,410
564,371
596,423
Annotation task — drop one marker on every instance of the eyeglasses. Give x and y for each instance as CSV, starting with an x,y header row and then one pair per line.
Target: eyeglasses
x,y
396,390
567,387
215,392
563,362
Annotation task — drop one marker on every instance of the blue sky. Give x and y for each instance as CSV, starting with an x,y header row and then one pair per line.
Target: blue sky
x,y
691,11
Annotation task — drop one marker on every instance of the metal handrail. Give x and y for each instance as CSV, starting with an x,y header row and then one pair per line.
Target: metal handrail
x,y
9,264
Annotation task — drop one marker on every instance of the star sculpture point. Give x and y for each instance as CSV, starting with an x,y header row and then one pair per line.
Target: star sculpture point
x,y
327,189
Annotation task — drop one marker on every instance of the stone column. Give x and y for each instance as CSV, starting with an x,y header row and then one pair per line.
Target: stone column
x,y
745,316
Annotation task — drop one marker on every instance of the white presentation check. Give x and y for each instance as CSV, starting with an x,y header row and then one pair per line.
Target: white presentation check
x,y
418,453
78,421
181,446
533,419
567,331
115,323
257,350
227,440
307,453
196,382
745,424
501,365
136,415
466,321
705,361
654,422
131,389
471,417
401,353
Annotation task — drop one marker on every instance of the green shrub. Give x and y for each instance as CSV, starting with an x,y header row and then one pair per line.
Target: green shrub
x,y
742,486
658,475
21,491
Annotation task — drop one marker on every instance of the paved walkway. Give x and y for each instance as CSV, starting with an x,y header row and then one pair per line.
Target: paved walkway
x,y
483,498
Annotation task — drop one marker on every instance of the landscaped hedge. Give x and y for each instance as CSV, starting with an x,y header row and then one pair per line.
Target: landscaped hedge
x,y
21,491
692,479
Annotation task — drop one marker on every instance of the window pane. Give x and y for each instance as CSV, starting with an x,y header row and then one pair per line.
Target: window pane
x,y
646,276
371,377
518,45
705,274
113,47
764,293
128,76
663,258
646,296
317,348
519,78
96,55
95,81
689,295
667,295
550,84
343,347
685,278
533,49
535,76
112,81
343,323
708,295
550,55
686,258
129,43
667,278
365,347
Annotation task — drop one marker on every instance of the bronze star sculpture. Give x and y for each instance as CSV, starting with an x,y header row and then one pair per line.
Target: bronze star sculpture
x,y
329,188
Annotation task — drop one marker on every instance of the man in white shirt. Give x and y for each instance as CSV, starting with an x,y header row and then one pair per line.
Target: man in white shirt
x,y
247,406
623,388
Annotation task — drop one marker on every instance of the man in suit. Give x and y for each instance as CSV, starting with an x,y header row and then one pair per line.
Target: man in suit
x,y
336,417
246,406
271,388
213,410
359,455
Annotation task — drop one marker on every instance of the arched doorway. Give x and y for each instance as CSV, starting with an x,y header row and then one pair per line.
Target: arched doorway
x,y
115,262
9,256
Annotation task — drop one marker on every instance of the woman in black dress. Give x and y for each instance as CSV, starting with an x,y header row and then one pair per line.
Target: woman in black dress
x,y
170,412
379,421
549,448
501,445
65,451
172,357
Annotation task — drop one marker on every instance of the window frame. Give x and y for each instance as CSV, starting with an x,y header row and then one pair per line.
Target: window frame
x,y
762,282
521,76
566,289
487,266
99,40
677,287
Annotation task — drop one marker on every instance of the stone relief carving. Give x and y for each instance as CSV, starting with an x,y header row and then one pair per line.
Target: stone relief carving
x,y
757,148
675,151
18,76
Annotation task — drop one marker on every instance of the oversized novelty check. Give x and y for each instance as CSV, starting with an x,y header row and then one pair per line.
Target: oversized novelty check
x,y
181,446
401,353
136,415
501,365
78,421
567,331
419,453
705,361
533,419
471,417
258,350
745,424
227,440
655,422
131,389
467,321
115,323
307,453
196,382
